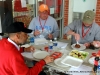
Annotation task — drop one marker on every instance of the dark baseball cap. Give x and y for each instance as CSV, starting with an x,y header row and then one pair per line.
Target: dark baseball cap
x,y
17,27
88,17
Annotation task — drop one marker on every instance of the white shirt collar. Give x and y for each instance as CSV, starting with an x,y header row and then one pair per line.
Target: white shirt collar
x,y
14,43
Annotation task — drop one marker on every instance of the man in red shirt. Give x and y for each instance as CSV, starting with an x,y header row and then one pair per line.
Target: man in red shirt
x,y
11,60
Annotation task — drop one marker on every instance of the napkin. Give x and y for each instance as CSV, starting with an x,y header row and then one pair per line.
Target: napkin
x,y
38,41
62,45
82,70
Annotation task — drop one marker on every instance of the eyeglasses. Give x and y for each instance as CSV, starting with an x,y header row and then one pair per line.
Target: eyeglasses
x,y
44,13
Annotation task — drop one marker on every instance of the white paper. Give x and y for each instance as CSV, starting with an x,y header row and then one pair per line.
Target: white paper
x,y
82,70
62,45
23,3
51,10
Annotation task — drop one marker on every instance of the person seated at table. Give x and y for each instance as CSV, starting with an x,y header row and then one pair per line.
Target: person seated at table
x,y
84,31
44,25
11,60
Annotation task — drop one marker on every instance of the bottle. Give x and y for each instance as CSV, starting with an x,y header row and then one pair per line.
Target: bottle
x,y
55,43
98,68
50,47
31,39
95,64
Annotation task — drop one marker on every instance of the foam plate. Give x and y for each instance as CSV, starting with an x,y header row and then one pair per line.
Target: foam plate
x,y
58,62
71,61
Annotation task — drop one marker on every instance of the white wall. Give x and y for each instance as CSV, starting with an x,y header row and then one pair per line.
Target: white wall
x,y
81,6
70,12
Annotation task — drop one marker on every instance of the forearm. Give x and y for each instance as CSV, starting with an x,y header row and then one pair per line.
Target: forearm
x,y
23,49
55,34
70,32
96,43
37,68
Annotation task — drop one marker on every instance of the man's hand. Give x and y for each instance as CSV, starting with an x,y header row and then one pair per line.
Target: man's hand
x,y
96,43
77,36
50,36
36,32
87,45
29,49
48,59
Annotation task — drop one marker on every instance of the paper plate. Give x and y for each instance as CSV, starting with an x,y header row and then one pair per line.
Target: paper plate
x,y
40,54
82,47
58,62
91,60
26,45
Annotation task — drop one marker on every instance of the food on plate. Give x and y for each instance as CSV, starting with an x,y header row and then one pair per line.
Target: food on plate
x,y
77,46
79,54
56,55
46,48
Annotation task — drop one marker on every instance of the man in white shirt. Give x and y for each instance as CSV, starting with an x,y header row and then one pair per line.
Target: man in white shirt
x,y
44,25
